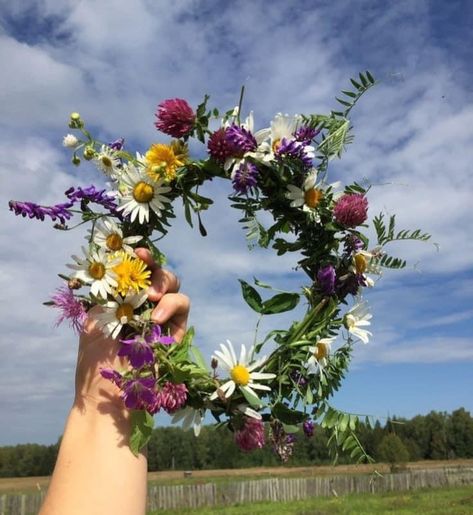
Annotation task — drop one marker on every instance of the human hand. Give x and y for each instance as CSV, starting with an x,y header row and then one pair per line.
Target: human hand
x,y
96,351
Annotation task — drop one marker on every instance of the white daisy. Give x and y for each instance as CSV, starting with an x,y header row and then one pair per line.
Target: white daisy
x,y
119,312
108,162
95,269
139,194
318,359
109,236
241,371
282,126
190,417
356,318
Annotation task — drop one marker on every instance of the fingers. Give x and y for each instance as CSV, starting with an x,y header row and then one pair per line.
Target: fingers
x,y
173,310
162,281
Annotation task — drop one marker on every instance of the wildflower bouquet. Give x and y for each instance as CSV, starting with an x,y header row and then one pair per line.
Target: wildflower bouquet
x,y
281,170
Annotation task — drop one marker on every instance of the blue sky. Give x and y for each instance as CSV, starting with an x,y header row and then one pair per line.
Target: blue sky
x,y
113,61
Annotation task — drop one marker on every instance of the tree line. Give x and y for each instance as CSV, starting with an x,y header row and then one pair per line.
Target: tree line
x,y
435,436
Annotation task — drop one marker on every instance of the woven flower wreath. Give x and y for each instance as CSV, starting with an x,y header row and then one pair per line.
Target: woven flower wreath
x,y
281,170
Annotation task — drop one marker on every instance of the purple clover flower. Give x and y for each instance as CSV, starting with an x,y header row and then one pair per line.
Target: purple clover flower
x,y
244,177
139,393
305,134
308,428
32,210
251,435
326,278
71,308
218,146
295,150
351,210
240,139
172,397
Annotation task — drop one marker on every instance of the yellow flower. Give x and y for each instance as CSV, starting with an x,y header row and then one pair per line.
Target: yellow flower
x,y
132,274
162,162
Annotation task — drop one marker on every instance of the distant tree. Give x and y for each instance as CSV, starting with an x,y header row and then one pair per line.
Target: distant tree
x,y
460,433
391,450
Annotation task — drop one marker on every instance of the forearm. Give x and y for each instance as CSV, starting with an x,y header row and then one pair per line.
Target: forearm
x,y
96,473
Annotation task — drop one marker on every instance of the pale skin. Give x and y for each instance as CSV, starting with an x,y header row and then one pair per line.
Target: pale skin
x,y
96,473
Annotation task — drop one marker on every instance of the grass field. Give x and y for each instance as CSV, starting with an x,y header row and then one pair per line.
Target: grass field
x,y
29,484
451,501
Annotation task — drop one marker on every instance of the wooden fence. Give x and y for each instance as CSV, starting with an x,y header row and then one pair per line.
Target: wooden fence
x,y
273,489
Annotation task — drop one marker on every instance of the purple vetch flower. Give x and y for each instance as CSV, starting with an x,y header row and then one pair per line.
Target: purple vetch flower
x,y
326,278
352,244
308,428
172,397
305,134
298,378
244,177
91,194
139,393
296,150
71,308
348,284
117,144
112,375
351,210
240,139
137,350
31,210
281,445
251,435
156,336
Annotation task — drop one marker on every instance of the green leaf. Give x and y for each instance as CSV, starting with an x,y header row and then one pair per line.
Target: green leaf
x,y
290,429
187,212
198,357
142,424
180,352
309,397
280,303
350,94
287,415
357,86
262,284
251,296
363,80
343,422
370,77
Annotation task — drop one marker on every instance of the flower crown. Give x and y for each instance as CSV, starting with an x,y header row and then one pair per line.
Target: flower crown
x,y
282,170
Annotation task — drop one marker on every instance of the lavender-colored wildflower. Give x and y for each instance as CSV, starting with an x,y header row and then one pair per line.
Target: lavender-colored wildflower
x,y
139,393
241,139
244,177
251,435
117,144
156,336
352,244
308,428
137,350
298,378
71,308
326,278
306,134
281,446
172,397
295,150
31,210
350,284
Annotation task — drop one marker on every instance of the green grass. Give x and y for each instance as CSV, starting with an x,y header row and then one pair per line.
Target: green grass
x,y
445,501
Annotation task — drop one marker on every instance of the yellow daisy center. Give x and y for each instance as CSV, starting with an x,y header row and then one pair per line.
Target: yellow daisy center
x,y
276,144
106,161
312,197
321,351
240,375
350,321
114,241
162,162
143,192
96,270
360,264
124,310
